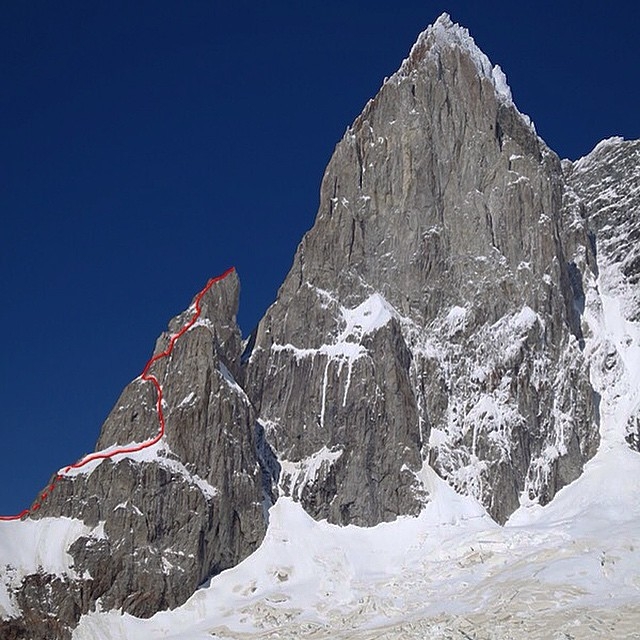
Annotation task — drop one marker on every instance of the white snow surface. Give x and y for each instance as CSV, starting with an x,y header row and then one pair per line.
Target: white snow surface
x,y
367,317
30,546
572,567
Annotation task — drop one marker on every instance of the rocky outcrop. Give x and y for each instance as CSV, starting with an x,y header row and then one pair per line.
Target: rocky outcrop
x,y
167,518
441,213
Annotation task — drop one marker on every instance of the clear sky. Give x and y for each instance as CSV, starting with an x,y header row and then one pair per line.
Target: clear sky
x,y
147,146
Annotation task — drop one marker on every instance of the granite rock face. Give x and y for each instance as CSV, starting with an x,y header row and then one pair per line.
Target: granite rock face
x,y
164,520
433,315
440,217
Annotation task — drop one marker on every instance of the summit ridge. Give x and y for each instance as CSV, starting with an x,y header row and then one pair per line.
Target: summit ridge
x,y
446,33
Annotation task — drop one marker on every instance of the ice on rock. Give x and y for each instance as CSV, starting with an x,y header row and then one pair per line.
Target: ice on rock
x,y
297,475
500,83
32,546
591,158
456,319
525,319
366,318
369,316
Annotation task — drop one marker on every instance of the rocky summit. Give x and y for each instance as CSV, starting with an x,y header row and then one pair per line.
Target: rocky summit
x,y
440,316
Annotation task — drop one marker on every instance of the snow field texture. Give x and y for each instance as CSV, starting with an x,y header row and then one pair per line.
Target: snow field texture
x,y
450,569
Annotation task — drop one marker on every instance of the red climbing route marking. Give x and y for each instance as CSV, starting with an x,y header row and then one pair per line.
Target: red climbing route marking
x,y
145,375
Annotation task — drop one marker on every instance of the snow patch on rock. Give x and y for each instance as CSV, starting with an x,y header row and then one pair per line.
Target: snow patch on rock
x,y
158,453
36,546
298,475
363,320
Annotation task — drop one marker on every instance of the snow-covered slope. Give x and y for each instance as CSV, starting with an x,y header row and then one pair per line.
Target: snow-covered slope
x,y
567,570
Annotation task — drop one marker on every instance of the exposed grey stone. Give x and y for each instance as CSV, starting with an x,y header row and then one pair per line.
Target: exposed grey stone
x,y
432,315
188,512
441,198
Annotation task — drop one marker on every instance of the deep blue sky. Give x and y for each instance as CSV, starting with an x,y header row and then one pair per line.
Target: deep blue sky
x,y
146,146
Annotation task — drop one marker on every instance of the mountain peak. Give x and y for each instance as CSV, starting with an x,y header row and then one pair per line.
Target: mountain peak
x,y
444,34
457,339
444,19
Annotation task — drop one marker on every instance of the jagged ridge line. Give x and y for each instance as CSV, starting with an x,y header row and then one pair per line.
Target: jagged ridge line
x,y
147,377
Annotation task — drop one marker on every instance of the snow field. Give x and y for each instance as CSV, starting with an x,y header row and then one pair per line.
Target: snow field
x,y
451,569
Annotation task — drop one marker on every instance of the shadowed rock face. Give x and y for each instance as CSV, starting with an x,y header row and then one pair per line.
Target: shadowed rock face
x,y
432,315
603,191
604,188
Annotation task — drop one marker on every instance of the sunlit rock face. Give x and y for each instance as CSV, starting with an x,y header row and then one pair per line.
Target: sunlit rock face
x,y
430,314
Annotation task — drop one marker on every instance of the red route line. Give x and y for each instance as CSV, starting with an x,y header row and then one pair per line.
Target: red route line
x,y
145,375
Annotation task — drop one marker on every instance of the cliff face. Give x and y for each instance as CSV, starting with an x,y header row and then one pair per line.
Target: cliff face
x,y
162,520
434,315
603,195
605,187
429,313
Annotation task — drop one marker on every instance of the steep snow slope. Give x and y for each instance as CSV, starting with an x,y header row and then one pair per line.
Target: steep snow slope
x,y
462,573
571,569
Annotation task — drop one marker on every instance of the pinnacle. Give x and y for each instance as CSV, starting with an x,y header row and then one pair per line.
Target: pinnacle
x,y
444,20
444,34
